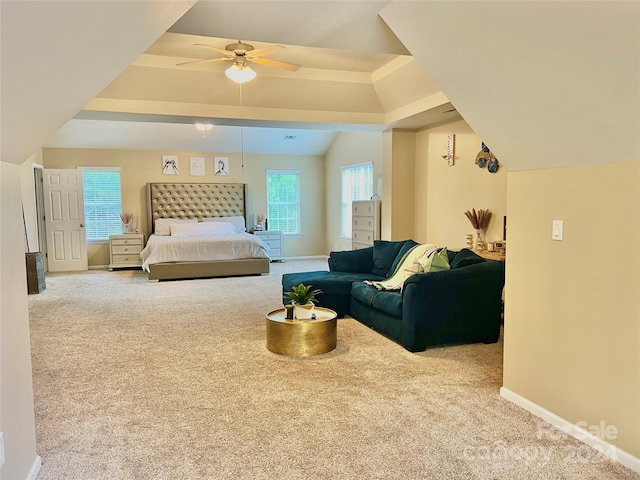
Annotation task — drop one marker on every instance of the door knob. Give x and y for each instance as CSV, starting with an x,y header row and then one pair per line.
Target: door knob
x,y
82,225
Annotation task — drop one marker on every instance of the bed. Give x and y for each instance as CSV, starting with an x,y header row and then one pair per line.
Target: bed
x,y
178,207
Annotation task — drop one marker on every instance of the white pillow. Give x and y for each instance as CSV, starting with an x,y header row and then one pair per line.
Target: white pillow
x,y
237,222
200,229
162,224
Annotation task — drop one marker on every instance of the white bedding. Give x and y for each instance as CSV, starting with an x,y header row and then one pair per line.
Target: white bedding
x,y
163,249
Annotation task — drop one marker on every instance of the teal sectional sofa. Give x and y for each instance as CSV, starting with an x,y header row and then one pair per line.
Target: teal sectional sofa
x,y
455,306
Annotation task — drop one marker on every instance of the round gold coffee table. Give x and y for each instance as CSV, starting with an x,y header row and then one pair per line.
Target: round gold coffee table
x,y
301,338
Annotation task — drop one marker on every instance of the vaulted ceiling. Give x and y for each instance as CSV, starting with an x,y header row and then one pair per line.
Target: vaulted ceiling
x,y
354,75
545,84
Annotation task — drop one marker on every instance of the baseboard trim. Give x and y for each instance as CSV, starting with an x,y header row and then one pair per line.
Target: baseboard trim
x,y
35,468
610,450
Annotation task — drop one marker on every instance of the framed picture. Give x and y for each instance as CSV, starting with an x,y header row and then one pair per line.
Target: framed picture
x,y
170,164
221,165
196,166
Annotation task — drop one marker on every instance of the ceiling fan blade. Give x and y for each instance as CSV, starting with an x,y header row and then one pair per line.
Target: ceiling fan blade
x,y
275,63
261,52
224,59
219,50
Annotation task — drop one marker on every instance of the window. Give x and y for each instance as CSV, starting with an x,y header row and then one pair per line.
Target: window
x,y
357,184
102,202
283,201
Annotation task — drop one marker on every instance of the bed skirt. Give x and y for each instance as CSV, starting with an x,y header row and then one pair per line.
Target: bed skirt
x,y
220,268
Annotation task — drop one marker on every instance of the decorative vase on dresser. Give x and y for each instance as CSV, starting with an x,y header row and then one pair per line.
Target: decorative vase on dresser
x,y
365,223
124,250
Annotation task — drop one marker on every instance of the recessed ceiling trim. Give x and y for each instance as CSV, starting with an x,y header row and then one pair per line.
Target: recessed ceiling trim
x,y
391,67
226,111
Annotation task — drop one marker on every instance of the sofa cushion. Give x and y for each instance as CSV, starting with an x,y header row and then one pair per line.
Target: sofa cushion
x,y
335,286
466,257
355,261
384,254
408,245
328,282
386,301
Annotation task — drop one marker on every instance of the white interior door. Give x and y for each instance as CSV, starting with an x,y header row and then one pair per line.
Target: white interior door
x,y
64,218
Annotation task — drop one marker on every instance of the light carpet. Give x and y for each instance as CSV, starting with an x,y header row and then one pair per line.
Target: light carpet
x,y
172,380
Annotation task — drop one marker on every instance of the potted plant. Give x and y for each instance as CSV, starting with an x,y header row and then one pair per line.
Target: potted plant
x,y
303,299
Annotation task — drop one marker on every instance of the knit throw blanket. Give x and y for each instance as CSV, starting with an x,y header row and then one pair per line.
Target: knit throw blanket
x,y
419,259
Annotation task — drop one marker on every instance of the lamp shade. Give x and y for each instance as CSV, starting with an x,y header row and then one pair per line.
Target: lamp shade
x,y
240,73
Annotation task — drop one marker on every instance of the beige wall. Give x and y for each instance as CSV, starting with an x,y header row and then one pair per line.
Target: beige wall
x,y
444,193
398,190
16,391
572,309
139,167
348,148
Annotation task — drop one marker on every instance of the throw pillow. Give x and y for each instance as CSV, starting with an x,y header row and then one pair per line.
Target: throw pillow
x,y
436,262
162,225
201,229
408,245
237,221
466,257
384,253
410,265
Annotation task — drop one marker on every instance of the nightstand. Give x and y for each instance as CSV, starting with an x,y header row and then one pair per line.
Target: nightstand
x,y
273,240
124,250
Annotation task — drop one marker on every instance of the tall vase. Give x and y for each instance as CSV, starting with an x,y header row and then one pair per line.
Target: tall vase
x,y
481,240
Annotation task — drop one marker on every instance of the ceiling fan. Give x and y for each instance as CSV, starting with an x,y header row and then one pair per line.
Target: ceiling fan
x,y
240,53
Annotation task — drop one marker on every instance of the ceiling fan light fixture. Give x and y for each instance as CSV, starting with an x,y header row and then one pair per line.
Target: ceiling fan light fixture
x,y
240,73
204,128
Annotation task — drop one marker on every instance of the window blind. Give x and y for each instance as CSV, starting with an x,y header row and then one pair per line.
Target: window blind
x,y
357,184
283,200
102,203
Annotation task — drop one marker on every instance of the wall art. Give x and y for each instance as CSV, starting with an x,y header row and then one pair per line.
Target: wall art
x,y
170,164
196,166
221,165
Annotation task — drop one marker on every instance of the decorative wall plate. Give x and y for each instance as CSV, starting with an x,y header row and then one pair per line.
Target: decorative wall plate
x,y
482,158
492,164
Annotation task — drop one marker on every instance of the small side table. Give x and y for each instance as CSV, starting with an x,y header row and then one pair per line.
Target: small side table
x,y
302,337
273,240
124,250
491,255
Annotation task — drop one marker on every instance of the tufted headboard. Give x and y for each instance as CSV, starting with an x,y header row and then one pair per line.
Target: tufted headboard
x,y
194,200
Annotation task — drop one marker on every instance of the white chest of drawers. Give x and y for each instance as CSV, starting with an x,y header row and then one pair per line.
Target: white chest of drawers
x,y
365,223
124,250
273,240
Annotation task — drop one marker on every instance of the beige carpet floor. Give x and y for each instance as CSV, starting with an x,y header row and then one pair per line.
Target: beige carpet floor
x,y
171,380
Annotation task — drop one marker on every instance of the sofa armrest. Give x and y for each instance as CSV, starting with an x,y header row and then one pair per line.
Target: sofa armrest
x,y
352,261
453,305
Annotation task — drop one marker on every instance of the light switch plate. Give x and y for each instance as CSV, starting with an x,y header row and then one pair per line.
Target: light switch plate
x,y
557,230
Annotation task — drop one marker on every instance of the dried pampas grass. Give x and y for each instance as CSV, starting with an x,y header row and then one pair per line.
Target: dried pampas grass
x,y
480,219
